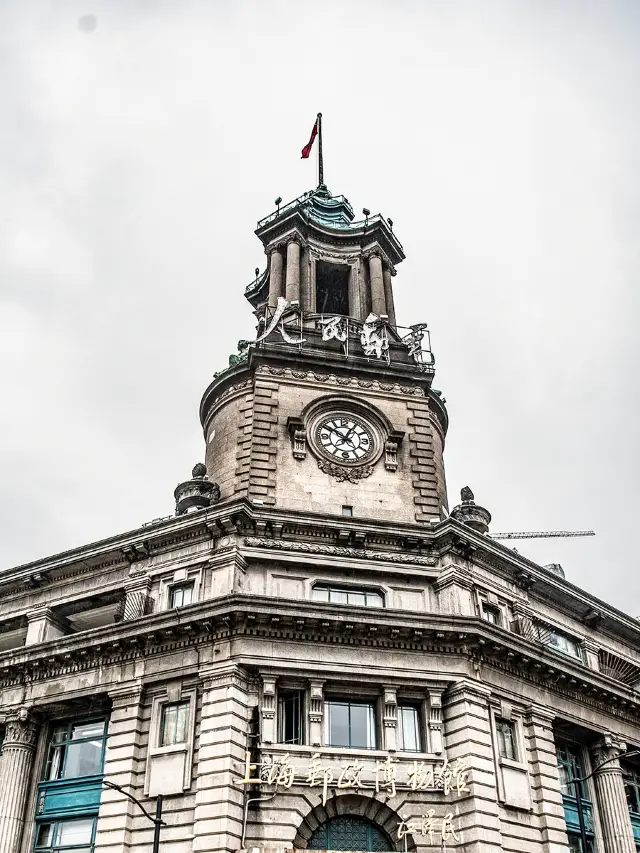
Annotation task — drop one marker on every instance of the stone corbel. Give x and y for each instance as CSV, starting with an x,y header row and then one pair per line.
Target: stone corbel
x,y
268,710
390,719
298,435
391,446
435,722
316,712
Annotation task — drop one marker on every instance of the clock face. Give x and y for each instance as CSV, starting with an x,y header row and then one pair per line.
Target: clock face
x,y
345,439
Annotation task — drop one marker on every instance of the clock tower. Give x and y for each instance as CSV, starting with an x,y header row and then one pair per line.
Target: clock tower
x,y
330,409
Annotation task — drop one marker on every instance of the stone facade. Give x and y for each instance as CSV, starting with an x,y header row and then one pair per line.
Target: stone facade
x,y
312,653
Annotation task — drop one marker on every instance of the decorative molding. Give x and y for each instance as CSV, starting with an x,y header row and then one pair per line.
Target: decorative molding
x,y
21,733
333,379
353,475
336,551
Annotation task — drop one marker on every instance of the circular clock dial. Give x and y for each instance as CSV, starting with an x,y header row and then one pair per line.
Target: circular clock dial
x,y
345,439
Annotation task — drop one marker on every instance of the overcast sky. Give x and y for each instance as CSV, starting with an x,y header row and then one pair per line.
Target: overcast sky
x,y
140,143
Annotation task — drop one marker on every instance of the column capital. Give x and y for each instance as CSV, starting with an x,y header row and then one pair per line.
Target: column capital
x,y
606,751
21,731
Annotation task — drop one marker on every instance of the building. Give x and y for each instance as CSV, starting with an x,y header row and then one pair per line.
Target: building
x,y
314,652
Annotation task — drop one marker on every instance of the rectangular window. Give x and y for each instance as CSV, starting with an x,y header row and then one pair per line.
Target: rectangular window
x,y
490,614
180,595
409,731
350,724
348,595
570,767
560,642
632,790
575,844
76,749
332,288
290,716
62,835
174,723
347,510
506,734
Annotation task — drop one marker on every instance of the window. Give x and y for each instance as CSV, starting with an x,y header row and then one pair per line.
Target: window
x,y
570,767
347,510
560,642
62,835
180,595
409,731
76,749
490,614
290,716
632,790
332,288
347,595
575,844
506,734
350,724
174,723
349,833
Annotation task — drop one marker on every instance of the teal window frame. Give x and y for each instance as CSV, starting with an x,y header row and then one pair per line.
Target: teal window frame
x,y
376,838
632,790
570,766
53,746
55,847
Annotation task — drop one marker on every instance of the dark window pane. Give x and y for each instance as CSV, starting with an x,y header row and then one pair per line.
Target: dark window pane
x,y
332,288
290,716
506,739
44,837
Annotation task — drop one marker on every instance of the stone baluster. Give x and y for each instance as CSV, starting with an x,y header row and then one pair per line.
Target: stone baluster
x,y
378,302
292,284
16,756
275,276
615,823
388,295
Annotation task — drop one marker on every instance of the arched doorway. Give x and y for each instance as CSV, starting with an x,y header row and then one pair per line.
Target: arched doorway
x,y
350,832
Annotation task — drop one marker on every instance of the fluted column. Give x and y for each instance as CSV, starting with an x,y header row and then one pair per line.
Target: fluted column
x,y
293,272
17,764
388,295
378,302
615,823
275,277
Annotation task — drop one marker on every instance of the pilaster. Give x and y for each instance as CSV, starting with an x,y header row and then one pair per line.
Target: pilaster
x,y
388,295
467,732
615,823
16,758
121,766
545,780
378,302
42,625
224,738
454,587
390,719
276,265
136,595
316,712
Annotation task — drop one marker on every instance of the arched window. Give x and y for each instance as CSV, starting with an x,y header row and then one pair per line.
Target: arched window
x,y
348,832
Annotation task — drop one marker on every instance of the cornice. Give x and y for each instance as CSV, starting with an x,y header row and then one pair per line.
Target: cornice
x,y
271,618
336,551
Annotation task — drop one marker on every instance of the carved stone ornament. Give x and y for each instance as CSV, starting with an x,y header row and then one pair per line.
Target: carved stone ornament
x,y
298,435
341,473
22,733
391,446
338,551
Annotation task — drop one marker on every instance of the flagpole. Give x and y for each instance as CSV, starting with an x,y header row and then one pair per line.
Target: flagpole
x,y
320,162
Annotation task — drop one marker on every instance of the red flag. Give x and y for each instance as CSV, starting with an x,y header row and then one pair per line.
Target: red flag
x,y
307,148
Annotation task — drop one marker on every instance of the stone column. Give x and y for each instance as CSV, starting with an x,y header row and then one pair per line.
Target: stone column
x,y
378,302
275,276
293,272
17,765
615,823
355,295
388,295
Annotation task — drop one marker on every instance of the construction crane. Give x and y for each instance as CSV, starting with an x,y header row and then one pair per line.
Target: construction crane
x,y
542,534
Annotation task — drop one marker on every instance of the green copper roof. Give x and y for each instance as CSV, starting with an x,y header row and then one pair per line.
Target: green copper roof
x,y
328,209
